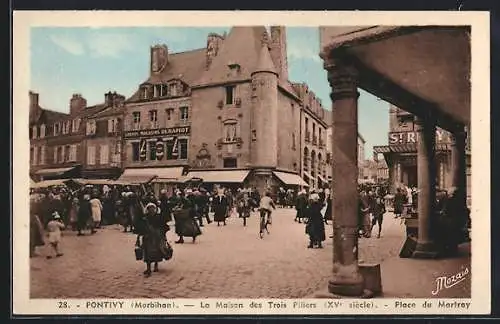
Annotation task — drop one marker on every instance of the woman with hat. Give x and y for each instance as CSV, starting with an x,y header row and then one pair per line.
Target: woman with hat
x,y
315,226
54,228
84,214
152,231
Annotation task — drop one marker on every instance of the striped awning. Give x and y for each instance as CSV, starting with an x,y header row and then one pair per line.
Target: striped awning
x,y
54,171
407,148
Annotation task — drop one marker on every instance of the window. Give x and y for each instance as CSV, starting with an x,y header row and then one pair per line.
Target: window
x,y
60,154
75,125
230,163
42,131
42,155
145,93
163,90
112,125
35,132
67,152
104,154
184,114
136,120
152,151
153,118
231,131
173,89
183,148
135,151
56,129
168,113
91,155
91,127
230,95
170,147
72,154
156,91
66,127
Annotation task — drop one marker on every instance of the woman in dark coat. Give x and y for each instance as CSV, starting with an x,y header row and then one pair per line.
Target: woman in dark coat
x,y
301,206
220,206
185,222
399,201
151,229
36,228
84,214
328,212
315,227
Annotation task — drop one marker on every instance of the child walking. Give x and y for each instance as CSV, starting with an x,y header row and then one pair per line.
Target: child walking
x,y
54,228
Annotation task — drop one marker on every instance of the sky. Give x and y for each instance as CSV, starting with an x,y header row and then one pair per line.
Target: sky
x,y
93,61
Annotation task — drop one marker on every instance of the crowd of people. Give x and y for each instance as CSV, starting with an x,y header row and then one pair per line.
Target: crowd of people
x,y
138,210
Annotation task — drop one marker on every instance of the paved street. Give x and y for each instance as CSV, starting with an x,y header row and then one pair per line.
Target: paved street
x,y
228,262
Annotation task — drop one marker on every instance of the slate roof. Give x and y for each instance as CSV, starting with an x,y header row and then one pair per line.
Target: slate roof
x,y
47,116
109,111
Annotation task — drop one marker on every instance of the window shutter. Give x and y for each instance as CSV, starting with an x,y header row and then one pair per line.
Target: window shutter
x,y
42,131
35,157
55,154
110,126
42,157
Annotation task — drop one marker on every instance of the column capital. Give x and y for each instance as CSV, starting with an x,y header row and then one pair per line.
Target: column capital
x,y
342,77
425,122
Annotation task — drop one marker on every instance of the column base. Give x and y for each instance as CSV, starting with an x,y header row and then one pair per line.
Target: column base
x,y
425,250
347,281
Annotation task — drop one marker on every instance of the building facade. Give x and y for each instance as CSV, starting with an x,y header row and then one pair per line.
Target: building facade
x,y
226,113
103,139
401,153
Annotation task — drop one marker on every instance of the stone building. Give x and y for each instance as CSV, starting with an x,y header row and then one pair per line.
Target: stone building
x,y
57,139
401,153
103,139
226,113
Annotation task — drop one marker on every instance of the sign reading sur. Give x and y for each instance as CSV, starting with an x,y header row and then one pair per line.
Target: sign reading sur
x,y
396,138
184,130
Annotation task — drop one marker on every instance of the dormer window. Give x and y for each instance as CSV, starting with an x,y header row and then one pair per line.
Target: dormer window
x,y
91,127
57,129
34,132
234,69
75,125
163,90
173,89
144,93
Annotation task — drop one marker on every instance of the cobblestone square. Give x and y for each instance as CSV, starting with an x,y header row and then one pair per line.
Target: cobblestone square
x,y
225,262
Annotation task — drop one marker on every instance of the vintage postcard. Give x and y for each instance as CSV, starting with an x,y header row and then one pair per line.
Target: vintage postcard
x,y
251,163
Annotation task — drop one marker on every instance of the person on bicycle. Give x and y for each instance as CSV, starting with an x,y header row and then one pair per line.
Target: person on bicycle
x,y
267,205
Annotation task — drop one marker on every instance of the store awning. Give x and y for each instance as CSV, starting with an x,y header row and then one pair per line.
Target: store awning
x,y
54,171
290,179
48,183
137,176
223,176
407,148
166,174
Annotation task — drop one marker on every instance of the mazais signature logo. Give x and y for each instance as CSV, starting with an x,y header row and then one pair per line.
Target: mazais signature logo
x,y
446,282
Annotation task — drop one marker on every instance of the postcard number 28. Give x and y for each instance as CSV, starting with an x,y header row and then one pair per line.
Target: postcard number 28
x,y
62,304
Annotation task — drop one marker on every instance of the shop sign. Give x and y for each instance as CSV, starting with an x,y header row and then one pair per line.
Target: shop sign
x,y
160,149
184,130
396,138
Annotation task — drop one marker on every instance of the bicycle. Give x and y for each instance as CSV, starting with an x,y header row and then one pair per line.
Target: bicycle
x,y
264,221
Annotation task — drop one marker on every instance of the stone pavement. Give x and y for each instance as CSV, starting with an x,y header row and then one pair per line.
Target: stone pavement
x,y
226,262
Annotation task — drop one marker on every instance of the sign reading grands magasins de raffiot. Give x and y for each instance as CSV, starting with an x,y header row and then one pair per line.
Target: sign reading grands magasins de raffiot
x,y
184,130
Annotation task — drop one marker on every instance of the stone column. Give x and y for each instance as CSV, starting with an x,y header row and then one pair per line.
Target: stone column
x,y
346,280
426,177
458,164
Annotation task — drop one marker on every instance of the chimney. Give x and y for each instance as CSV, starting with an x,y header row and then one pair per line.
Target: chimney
x,y
159,58
214,42
108,99
278,51
76,104
34,105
